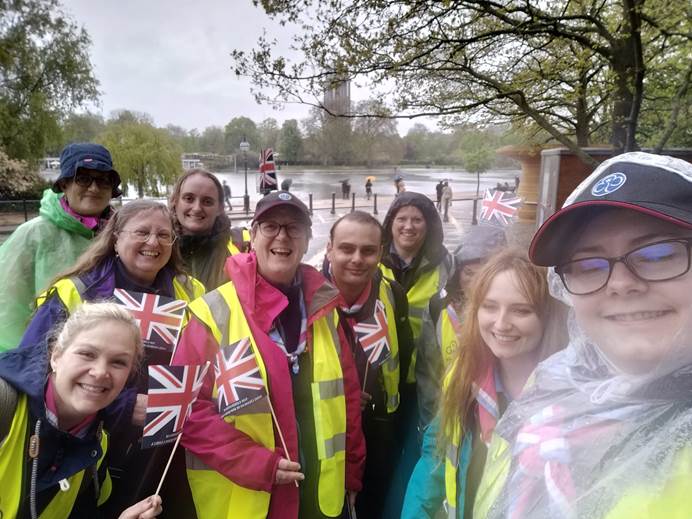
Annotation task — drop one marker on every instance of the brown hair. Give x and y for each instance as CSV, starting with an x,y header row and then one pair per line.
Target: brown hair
x,y
359,217
222,222
103,246
473,357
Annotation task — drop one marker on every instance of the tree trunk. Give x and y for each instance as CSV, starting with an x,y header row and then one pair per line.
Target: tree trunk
x,y
628,66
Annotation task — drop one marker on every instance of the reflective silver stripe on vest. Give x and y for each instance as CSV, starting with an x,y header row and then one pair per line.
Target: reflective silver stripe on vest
x,y
79,285
393,401
416,312
453,454
451,511
336,443
393,362
192,462
221,313
331,388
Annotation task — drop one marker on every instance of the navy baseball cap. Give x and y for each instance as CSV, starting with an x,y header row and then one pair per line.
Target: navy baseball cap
x,y
281,198
656,185
85,155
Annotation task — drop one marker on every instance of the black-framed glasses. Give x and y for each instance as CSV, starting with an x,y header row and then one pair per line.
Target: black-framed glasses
x,y
272,229
660,261
102,181
164,238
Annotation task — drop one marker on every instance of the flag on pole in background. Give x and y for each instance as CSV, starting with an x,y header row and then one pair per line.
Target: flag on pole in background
x,y
172,391
500,206
373,335
267,177
159,317
238,379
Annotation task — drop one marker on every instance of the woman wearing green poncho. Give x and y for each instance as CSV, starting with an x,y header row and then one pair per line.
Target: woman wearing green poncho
x,y
70,215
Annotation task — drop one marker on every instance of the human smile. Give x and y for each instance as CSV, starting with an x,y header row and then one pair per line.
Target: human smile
x,y
637,316
279,251
150,253
89,388
505,338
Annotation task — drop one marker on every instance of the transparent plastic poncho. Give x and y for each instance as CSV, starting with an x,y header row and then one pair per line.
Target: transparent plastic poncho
x,y
587,440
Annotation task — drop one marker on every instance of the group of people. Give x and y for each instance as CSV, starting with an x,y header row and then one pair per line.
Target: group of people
x,y
401,380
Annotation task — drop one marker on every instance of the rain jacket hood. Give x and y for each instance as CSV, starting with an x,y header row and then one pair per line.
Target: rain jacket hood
x,y
31,257
433,249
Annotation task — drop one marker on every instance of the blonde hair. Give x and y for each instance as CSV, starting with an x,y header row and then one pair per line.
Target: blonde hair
x,y
88,316
473,357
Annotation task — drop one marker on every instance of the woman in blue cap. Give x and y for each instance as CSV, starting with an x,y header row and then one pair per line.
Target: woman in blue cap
x,y
604,429
71,213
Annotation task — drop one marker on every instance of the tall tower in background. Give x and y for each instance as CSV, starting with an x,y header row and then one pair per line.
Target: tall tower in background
x,y
337,97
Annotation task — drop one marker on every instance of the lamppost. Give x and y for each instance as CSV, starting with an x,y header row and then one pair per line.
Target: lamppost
x,y
244,146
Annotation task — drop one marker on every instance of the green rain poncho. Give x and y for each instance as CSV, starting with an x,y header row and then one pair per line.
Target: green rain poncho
x,y
30,258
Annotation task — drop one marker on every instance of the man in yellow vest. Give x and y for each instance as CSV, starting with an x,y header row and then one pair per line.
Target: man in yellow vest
x,y
374,315
287,313
415,256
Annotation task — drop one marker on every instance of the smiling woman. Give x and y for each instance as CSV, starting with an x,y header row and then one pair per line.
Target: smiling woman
x,y
58,415
137,251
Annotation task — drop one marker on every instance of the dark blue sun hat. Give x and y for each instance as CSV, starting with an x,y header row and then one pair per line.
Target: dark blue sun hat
x,y
85,155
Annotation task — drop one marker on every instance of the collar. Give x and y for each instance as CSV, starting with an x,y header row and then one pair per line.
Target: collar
x,y
78,430
90,222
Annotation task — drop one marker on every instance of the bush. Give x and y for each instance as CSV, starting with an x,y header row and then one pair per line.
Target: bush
x,y
18,181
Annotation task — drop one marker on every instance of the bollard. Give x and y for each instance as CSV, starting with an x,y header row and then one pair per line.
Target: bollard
x,y
310,201
26,215
333,203
474,219
374,208
446,216
246,204
353,202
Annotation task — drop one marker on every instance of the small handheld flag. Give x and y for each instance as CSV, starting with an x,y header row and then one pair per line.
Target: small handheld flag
x,y
267,178
172,391
500,206
373,335
238,379
159,317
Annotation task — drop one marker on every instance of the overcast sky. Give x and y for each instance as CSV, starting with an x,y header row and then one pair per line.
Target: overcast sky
x,y
171,58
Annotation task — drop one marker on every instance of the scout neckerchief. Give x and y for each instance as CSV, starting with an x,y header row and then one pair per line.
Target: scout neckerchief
x,y
277,335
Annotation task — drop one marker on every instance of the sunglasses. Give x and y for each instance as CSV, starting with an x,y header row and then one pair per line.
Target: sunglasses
x,y
102,181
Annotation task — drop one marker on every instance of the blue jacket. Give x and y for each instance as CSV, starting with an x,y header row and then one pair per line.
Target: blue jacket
x,y
61,455
425,493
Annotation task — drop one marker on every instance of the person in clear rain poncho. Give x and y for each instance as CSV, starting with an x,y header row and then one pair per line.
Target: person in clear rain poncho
x,y
605,429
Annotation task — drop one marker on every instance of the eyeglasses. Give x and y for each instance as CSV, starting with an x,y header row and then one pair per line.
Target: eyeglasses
x,y
164,238
272,229
660,261
102,181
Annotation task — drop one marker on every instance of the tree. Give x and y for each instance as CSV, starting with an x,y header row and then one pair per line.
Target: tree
x,y
146,157
290,142
373,134
213,140
45,72
478,154
84,127
18,180
239,128
268,131
578,69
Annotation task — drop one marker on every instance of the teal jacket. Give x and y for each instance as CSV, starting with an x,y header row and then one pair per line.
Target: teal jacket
x,y
31,257
425,493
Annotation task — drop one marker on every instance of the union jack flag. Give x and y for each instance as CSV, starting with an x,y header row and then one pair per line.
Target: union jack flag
x,y
267,178
496,206
159,317
172,391
238,379
373,335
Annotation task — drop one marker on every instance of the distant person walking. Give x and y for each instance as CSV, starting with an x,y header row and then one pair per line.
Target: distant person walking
x,y
438,192
345,189
368,188
399,184
227,195
447,196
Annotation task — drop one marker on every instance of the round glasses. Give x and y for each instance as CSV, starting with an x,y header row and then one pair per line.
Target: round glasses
x,y
660,261
102,181
164,238
272,229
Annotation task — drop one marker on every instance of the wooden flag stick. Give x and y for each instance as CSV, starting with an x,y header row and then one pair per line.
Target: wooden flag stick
x,y
365,377
281,435
170,459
